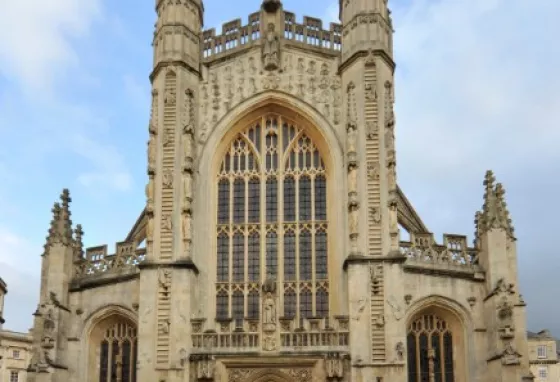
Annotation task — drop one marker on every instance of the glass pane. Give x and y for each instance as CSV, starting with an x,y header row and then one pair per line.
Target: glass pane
x,y
306,304
290,304
114,357
289,199
254,201
223,202
222,306
134,360
305,199
322,304
438,375
271,254
424,361
289,257
305,256
238,304
126,357
223,258
271,200
239,201
238,257
254,257
321,256
254,305
320,198
104,362
448,353
412,353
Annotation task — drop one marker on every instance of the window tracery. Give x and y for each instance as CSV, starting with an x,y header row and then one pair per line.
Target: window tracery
x,y
430,350
272,221
118,353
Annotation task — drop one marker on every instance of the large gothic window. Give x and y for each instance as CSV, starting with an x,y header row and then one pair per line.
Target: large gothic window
x,y
117,353
272,222
430,350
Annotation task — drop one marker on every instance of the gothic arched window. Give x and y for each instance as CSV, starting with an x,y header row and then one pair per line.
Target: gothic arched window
x,y
430,350
272,221
117,353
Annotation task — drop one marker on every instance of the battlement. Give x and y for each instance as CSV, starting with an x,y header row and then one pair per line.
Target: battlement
x,y
454,252
236,36
98,261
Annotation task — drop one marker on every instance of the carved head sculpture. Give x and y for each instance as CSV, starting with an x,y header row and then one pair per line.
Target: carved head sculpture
x,y
271,5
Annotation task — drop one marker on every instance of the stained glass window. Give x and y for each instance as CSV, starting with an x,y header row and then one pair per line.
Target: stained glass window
x,y
430,350
272,221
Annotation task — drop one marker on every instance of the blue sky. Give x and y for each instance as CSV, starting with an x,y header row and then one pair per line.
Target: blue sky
x,y
477,88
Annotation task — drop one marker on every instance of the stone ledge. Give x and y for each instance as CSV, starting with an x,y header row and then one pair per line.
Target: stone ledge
x,y
179,264
82,284
361,259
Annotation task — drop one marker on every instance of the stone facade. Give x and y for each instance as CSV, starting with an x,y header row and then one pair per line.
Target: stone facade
x,y
544,356
220,280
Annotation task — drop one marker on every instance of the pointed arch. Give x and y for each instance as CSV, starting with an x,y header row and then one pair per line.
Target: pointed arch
x,y
438,340
270,376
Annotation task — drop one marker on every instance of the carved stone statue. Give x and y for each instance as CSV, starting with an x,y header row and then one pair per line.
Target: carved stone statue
x,y
271,49
269,310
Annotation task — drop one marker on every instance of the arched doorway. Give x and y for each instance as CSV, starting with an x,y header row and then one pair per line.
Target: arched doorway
x,y
113,350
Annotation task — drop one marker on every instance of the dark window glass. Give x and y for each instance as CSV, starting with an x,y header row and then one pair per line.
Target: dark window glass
x,y
254,305
424,360
114,358
437,357
290,303
271,254
254,257
238,305
322,304
271,200
289,257
223,202
104,362
412,352
305,256
448,352
254,201
223,258
306,304
305,199
126,348
289,199
222,305
320,198
321,255
238,257
239,201
134,360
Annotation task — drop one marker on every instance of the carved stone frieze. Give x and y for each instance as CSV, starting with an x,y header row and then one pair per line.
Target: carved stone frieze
x,y
203,368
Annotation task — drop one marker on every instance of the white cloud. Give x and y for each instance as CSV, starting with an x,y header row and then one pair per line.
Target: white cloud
x,y
36,43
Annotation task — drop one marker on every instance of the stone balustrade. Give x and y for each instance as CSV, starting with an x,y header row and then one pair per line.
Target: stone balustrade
x,y
422,249
97,261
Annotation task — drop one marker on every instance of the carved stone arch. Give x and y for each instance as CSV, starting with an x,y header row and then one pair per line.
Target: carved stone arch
x,y
103,316
270,376
210,155
459,322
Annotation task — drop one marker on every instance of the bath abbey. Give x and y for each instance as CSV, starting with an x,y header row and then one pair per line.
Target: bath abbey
x,y
275,244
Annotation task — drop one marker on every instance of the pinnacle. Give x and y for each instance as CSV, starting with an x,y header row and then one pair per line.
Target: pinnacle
x,y
60,230
494,211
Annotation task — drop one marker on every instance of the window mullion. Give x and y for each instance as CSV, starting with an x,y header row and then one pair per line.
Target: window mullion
x,y
298,288
263,179
313,249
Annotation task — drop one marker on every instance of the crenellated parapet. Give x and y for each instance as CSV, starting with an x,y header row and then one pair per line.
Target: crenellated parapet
x,y
236,37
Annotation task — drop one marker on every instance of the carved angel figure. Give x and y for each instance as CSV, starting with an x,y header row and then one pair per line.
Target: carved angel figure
x,y
271,49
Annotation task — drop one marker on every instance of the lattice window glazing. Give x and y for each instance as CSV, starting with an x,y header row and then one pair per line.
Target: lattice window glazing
x,y
272,222
430,350
118,352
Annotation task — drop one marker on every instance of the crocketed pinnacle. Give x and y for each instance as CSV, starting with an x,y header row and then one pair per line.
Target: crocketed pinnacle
x,y
60,230
78,243
494,212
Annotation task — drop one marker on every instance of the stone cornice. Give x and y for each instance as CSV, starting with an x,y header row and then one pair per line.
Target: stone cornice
x,y
361,259
179,264
165,64
430,270
362,53
79,285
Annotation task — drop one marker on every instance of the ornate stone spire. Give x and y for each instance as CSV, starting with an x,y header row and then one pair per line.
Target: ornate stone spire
x,y
494,212
78,243
60,230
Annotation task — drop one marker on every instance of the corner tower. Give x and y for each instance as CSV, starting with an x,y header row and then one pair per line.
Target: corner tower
x,y
167,273
367,71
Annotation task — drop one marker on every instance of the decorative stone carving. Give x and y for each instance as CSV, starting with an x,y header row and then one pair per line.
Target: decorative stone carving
x,y
188,113
164,280
204,367
373,171
407,299
505,315
471,301
167,179
334,367
375,215
360,307
150,195
375,278
271,49
269,313
167,223
510,356
152,151
400,351
395,308
379,321
153,128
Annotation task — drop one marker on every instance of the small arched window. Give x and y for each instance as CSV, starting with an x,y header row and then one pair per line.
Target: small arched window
x,y
272,221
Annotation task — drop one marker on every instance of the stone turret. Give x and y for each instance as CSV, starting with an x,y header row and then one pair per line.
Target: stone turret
x,y
504,308
367,26
52,318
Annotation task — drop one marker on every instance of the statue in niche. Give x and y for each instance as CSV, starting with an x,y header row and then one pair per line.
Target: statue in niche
x,y
271,49
269,310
